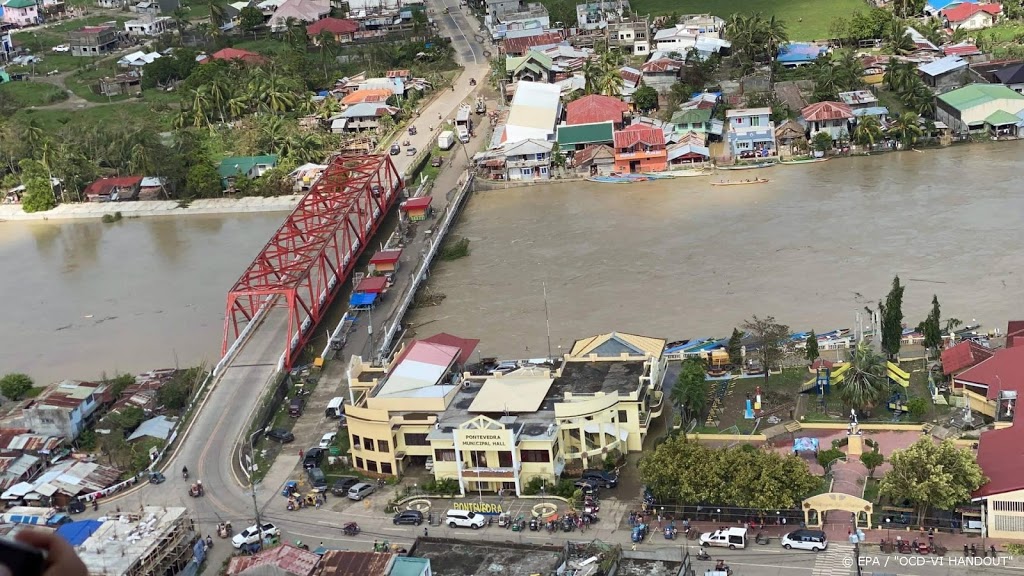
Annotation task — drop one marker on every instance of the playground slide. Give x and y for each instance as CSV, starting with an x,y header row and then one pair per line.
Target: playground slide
x,y
839,374
898,375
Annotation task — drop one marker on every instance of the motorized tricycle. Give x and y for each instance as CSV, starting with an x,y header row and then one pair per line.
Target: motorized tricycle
x,y
350,529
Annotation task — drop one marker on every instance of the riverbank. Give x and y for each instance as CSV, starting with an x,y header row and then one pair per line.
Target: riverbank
x,y
96,210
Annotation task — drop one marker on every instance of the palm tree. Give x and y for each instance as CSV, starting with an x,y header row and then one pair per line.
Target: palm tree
x,y
328,49
826,81
690,392
611,82
181,22
306,147
774,35
898,38
218,17
906,129
591,75
32,135
868,131
899,75
919,98
865,385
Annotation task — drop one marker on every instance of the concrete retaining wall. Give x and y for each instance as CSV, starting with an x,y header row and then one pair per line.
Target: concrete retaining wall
x,y
96,210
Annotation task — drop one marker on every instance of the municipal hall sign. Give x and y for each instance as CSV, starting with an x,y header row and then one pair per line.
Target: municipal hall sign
x,y
484,439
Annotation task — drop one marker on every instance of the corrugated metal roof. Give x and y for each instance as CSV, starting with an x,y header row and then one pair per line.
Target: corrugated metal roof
x,y
644,345
585,133
288,559
943,65
533,112
351,563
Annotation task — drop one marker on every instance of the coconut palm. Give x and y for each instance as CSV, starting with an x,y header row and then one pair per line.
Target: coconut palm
x,y
868,131
218,17
905,129
919,98
865,385
773,34
899,76
591,76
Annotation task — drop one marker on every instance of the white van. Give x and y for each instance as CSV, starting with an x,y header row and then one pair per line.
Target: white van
x,y
805,540
731,538
464,519
335,408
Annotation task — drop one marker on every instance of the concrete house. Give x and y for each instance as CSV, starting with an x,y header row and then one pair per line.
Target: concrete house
x,y
944,73
365,116
971,16
245,166
148,26
750,133
864,103
532,67
833,118
697,120
640,148
661,73
20,13
630,34
1011,76
93,41
580,136
525,160
979,107
64,409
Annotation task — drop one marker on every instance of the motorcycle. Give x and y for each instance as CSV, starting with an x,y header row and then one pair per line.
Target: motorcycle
x,y
350,529
209,542
184,473
702,554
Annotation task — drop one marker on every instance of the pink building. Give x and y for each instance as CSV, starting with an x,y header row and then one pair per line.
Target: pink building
x,y
20,12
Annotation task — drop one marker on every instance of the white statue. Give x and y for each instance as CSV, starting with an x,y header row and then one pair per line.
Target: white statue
x,y
853,417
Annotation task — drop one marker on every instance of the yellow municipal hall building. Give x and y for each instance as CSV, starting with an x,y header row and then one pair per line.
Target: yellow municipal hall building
x,y
499,431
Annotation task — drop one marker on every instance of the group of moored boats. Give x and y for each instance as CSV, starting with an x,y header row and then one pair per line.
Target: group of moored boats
x,y
624,178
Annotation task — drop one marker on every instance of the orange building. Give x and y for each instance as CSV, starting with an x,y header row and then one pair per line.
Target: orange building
x,y
640,148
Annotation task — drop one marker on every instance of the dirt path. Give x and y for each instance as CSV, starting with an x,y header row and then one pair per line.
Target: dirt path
x,y
74,101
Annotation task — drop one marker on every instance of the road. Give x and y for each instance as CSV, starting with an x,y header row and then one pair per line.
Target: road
x,y
219,425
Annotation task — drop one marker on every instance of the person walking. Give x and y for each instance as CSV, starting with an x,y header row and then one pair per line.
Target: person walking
x,y
425,532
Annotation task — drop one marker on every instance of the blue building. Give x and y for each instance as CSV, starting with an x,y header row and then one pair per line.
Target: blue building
x,y
751,133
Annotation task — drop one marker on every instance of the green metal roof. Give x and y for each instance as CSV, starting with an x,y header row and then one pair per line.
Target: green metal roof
x,y
409,566
1002,118
691,116
19,3
234,165
514,63
977,95
585,133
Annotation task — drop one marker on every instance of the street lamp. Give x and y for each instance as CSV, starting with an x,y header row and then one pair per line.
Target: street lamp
x,y
252,483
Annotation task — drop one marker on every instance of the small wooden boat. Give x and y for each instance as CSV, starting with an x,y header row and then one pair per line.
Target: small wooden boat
x,y
740,182
747,166
806,160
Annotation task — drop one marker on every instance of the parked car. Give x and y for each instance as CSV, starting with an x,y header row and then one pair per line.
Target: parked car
x,y
464,519
731,538
410,151
314,456
76,506
360,491
414,517
295,406
601,478
251,535
396,149
317,479
805,540
341,485
280,435
61,48
436,161
328,439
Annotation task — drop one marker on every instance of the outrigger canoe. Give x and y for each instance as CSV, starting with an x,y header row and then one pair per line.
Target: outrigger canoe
x,y
806,161
747,166
740,182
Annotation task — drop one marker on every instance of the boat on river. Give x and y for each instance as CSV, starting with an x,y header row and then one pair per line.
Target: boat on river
x,y
680,173
740,182
747,166
806,160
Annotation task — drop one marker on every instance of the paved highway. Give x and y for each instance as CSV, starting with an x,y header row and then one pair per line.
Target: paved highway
x,y
207,449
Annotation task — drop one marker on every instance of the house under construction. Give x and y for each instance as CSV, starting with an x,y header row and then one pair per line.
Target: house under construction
x,y
157,540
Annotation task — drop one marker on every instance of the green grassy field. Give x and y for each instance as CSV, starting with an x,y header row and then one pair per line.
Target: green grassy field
x,y
124,113
805,19
26,94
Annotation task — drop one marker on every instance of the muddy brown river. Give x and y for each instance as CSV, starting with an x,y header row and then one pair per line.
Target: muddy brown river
x,y
681,259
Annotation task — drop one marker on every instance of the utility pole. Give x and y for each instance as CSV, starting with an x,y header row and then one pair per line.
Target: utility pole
x,y
252,485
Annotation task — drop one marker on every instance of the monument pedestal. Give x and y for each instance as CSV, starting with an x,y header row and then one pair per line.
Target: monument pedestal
x,y
854,441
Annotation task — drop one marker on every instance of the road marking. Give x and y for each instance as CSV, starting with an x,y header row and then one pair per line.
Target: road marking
x,y
459,28
837,560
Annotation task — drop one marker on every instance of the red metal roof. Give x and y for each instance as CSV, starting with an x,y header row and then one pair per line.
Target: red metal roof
x,y
638,133
105,186
287,558
398,74
1014,330
333,26
629,75
961,50
1004,370
372,284
417,203
386,256
466,345
1001,457
821,363
595,108
662,65
962,356
962,12
821,111
238,54
517,46
352,563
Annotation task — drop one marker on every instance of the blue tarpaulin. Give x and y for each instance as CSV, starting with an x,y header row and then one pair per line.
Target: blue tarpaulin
x,y
362,299
78,532
805,445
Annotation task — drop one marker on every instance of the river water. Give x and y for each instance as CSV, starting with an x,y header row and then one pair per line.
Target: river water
x,y
680,258
674,259
83,298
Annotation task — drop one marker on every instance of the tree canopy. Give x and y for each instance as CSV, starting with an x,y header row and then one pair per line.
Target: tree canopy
x,y
931,328
930,474
865,385
687,472
811,349
892,319
690,392
15,386
768,338
645,98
